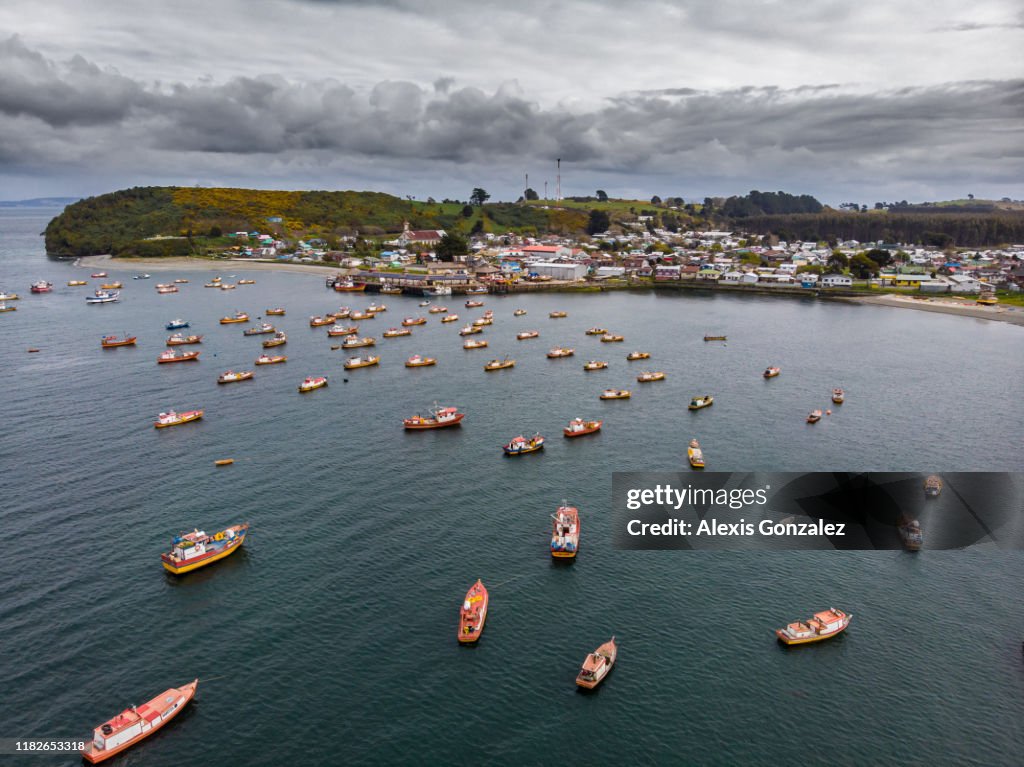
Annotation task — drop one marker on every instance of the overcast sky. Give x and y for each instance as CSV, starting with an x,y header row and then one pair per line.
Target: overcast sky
x,y
849,101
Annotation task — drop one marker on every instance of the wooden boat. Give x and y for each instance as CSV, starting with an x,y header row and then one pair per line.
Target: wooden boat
x,y
137,723
190,551
116,285
557,315
424,303
280,337
316,322
701,402
278,312
212,285
224,462
771,372
933,486
5,308
638,356
597,665
450,318
176,324
596,331
345,285
416,361
215,280
519,312
987,299
409,322
814,416
162,289
838,396
103,297
260,330
361,362
376,308
565,532
715,338
609,338
615,394
911,534
179,281
76,283
521,445
527,334
482,322
695,455
362,315
112,342
439,418
5,296
342,330
471,344
470,304
824,625
470,330
595,365
227,286
266,359
647,376
343,313
499,364
390,291
236,317
42,286
247,282
98,275
354,342
438,309
172,356
170,418
232,377
313,382
578,427
473,613
560,352
397,332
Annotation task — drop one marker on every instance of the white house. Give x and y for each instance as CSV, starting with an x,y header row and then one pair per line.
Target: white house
x,y
963,283
836,281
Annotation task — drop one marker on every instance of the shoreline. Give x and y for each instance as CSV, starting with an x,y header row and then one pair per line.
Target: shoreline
x,y
1007,314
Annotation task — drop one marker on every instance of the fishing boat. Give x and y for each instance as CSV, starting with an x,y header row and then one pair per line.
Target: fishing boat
x,y
558,315
521,445
5,296
215,280
987,299
137,723
499,364
280,337
76,283
247,282
471,344
98,275
814,416
565,532
424,303
397,332
116,285
212,285
437,290
346,285
695,455
597,665
519,312
360,316
483,321
701,402
450,318
838,396
595,365
103,297
342,330
343,313
313,382
227,286
190,551
262,329
416,361
911,534
476,290
232,377
166,289
5,308
176,324
172,356
376,308
527,334
439,418
112,342
609,338
142,277
276,312
180,281
236,317
470,330
409,322
648,376
179,340
824,625
355,342
390,290
715,338
437,309
473,613
560,352
596,331
267,359
933,486
316,322
615,394
171,418
771,372
471,304
578,427
361,362
638,356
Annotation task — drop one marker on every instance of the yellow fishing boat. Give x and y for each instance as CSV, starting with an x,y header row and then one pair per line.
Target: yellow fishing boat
x,y
361,362
499,364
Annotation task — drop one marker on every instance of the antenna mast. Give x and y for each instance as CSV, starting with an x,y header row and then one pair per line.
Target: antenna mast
x,y
558,180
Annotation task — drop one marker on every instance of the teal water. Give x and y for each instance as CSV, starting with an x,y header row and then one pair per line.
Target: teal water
x,y
330,637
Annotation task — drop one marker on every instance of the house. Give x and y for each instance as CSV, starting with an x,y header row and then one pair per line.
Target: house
x,y
547,252
836,281
422,236
558,271
708,273
665,272
962,283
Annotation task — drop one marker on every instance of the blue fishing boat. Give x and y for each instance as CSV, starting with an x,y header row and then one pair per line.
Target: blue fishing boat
x,y
175,324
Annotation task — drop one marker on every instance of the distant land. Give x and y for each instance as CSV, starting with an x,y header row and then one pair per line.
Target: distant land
x,y
39,202
125,223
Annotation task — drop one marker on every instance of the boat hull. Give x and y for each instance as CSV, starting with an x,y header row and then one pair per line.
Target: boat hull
x,y
432,424
187,567
582,432
524,450
185,418
788,641
115,344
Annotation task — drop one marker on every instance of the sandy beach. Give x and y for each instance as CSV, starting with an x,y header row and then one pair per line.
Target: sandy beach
x,y
1011,314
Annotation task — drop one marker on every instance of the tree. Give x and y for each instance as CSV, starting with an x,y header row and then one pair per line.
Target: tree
x,y
602,196
599,222
479,197
451,245
879,256
655,200
530,194
863,267
215,231
467,211
478,227
838,262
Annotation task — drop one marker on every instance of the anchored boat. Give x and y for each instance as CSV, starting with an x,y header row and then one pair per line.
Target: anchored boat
x,y
838,396
417,361
933,486
595,365
597,665
565,532
266,359
473,613
236,317
647,376
103,297
177,339
280,337
771,372
232,377
112,342
701,402
361,362
824,625
170,418
262,329
695,455
814,416
615,394
172,356
638,356
471,344
439,418
578,427
610,338
527,334
521,445
313,382
911,534
176,324
190,551
499,364
560,352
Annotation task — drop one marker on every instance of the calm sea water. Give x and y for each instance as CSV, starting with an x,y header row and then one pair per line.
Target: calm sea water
x,y
330,637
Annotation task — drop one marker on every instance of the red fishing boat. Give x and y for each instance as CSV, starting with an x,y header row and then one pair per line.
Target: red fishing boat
x,y
178,340
597,665
137,723
439,417
473,613
565,531
172,356
578,427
